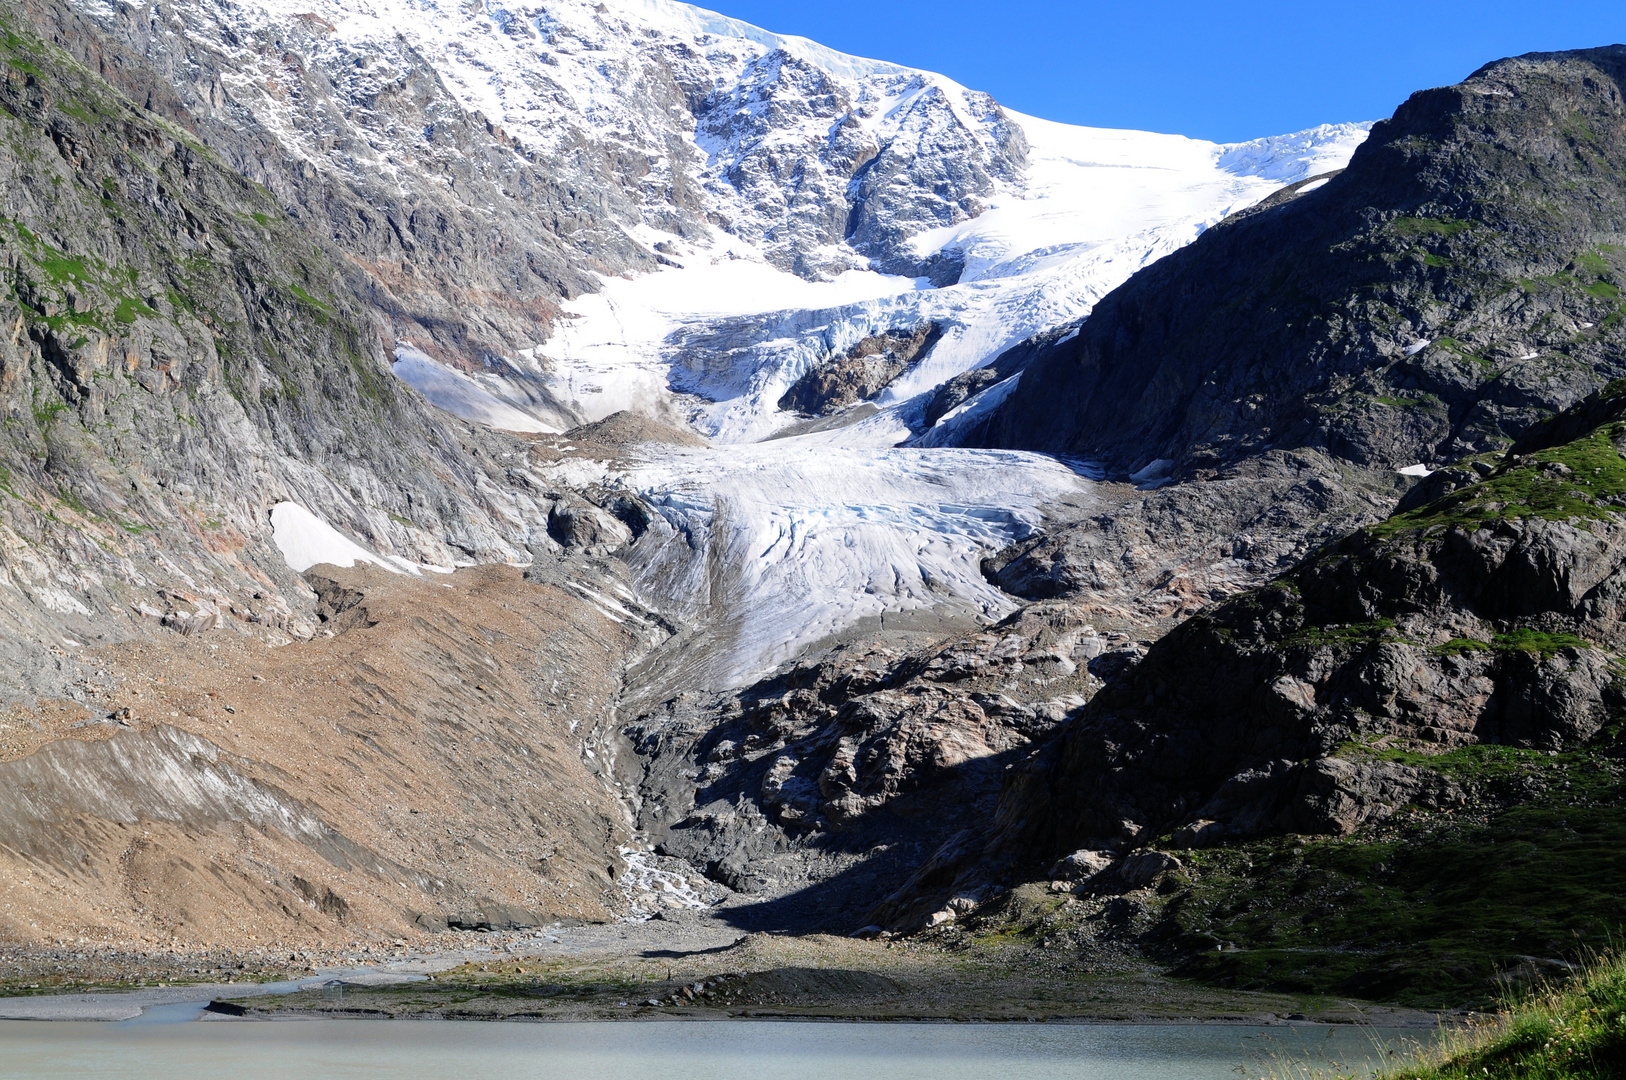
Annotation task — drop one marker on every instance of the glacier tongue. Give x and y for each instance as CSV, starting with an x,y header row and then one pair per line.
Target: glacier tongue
x,y
780,545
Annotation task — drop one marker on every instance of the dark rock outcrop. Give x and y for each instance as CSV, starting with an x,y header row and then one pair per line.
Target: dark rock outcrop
x,y
1161,554
1461,279
862,372
837,775
575,523
1492,615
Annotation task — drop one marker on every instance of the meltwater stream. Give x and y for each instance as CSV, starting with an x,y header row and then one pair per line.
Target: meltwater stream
x,y
752,1050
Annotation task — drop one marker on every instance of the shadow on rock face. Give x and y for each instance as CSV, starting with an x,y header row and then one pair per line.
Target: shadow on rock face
x,y
860,866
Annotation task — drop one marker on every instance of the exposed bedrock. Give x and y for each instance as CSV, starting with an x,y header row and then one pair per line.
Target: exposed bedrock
x,y
1419,307
1491,615
862,372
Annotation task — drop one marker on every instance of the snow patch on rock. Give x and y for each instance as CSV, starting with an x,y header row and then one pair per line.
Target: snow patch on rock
x,y
477,400
305,540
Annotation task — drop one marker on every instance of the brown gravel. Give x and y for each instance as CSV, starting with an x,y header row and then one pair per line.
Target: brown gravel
x,y
435,731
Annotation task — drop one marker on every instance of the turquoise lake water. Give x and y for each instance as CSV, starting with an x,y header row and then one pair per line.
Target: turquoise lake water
x,y
761,1050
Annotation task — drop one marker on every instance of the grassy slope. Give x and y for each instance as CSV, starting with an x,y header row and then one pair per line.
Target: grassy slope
x,y
1570,1033
1441,908
1431,909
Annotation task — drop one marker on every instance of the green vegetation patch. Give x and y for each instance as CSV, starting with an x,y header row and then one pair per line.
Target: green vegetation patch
x,y
1452,345
1569,482
1433,910
1368,633
130,309
1419,227
1571,1032
1538,641
1480,764
1520,639
326,309
14,47
46,414
62,269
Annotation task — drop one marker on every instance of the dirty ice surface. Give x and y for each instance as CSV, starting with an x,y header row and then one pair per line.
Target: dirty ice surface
x,y
786,543
484,401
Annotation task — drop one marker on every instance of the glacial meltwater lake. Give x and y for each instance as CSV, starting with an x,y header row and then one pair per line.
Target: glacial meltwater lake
x,y
722,1050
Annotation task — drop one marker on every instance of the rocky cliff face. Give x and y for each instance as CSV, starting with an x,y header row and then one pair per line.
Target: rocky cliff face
x,y
1421,306
1351,688
479,166
179,357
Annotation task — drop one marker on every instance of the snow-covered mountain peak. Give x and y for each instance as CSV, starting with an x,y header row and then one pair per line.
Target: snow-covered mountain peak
x,y
696,22
565,208
693,117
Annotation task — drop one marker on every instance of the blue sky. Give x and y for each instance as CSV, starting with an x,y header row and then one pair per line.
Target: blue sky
x,y
1217,71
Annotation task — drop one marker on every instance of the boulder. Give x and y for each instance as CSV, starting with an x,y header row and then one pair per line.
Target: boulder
x,y
1081,864
1131,873
578,525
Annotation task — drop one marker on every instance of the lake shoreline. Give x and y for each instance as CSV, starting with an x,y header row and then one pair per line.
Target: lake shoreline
x,y
629,973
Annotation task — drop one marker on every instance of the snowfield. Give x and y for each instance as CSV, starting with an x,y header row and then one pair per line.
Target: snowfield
x,y
1093,207
305,540
799,201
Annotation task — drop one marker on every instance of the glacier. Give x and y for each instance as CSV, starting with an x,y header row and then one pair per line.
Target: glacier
x,y
759,206
730,333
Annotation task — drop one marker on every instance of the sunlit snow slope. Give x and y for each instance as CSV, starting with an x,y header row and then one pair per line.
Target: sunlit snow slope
x,y
751,207
1091,208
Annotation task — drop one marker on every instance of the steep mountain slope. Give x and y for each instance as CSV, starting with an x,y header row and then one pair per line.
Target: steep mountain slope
x,y
195,744
178,358
1418,686
731,336
827,782
1458,280
482,170
417,763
